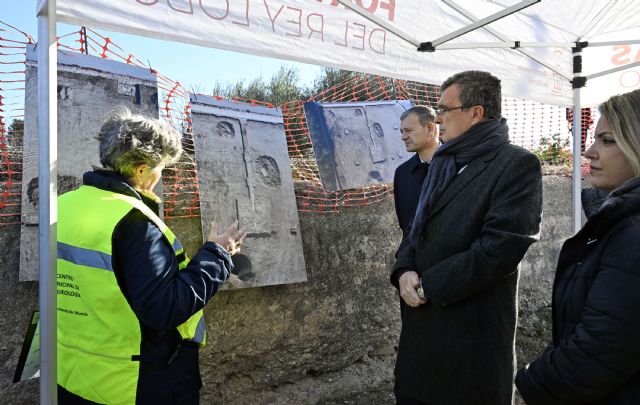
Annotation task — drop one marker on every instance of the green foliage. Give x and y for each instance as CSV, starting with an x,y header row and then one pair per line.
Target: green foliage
x,y
17,125
328,78
554,151
349,86
15,134
283,87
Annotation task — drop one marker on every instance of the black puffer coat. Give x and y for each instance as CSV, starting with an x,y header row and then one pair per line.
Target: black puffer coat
x,y
595,356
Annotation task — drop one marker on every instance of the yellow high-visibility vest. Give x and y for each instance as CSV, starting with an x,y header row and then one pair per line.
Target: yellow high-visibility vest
x,y
98,333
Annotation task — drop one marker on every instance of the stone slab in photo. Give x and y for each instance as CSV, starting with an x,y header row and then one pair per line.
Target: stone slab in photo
x,y
89,87
244,173
356,144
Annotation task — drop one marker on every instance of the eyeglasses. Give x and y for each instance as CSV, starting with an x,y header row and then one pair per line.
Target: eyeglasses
x,y
442,109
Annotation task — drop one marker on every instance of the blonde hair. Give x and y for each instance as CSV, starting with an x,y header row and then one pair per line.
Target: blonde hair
x,y
623,115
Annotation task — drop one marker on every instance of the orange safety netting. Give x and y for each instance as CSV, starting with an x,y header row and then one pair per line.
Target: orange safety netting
x,y
310,194
544,129
13,44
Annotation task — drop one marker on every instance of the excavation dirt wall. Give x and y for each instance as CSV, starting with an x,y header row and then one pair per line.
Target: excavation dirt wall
x,y
330,340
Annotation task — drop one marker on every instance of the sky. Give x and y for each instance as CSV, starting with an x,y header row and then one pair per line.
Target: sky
x,y
192,66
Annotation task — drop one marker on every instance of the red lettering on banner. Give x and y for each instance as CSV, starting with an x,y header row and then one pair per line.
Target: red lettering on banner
x,y
630,79
356,35
311,30
226,11
624,55
384,41
179,10
333,2
246,15
372,7
388,5
346,31
625,50
297,22
273,20
364,32
377,37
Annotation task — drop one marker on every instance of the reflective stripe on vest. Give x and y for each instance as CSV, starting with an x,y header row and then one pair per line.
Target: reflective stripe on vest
x,y
84,257
98,333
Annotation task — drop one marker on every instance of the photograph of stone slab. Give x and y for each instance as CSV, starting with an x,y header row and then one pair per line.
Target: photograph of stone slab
x,y
356,144
244,173
88,88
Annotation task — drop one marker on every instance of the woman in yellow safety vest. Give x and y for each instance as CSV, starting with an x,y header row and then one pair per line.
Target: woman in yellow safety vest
x,y
130,302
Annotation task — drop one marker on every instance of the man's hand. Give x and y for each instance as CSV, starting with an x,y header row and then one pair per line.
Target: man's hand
x,y
408,283
230,240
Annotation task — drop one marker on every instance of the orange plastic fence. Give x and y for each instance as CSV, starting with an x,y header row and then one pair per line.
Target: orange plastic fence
x,y
12,70
544,129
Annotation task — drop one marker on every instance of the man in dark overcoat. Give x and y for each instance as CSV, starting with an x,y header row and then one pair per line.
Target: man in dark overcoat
x,y
479,211
420,135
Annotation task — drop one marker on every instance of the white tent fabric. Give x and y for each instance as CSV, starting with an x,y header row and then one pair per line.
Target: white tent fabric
x,y
324,32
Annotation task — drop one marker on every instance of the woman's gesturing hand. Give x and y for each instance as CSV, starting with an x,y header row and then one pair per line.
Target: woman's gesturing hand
x,y
231,239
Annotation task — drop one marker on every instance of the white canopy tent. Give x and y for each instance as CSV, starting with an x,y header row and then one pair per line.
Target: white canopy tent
x,y
536,47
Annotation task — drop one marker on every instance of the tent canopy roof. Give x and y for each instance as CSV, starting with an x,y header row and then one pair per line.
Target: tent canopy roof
x,y
327,33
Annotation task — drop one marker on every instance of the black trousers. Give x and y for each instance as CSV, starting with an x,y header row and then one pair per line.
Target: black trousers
x,y
69,398
404,400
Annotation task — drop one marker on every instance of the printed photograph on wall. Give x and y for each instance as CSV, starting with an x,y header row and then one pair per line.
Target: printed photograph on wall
x,y
89,87
244,173
356,144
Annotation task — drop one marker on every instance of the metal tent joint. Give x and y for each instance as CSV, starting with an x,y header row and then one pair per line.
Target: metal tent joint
x,y
426,47
579,46
577,63
578,82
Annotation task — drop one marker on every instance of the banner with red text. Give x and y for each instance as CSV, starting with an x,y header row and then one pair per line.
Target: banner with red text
x,y
324,32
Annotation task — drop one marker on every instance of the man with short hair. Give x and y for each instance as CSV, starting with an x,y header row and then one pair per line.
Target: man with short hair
x,y
479,211
420,135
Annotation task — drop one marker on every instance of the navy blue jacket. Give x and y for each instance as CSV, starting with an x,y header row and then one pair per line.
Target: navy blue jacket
x,y
595,355
161,296
407,183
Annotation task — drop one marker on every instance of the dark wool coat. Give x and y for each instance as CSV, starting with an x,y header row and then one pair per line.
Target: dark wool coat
x,y
407,183
459,347
595,356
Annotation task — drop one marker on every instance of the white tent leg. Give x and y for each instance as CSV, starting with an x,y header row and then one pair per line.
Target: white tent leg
x,y
48,190
577,160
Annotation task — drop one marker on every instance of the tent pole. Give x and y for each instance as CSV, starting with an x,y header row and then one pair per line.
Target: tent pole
x,y
577,161
431,45
613,70
577,83
496,34
47,186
